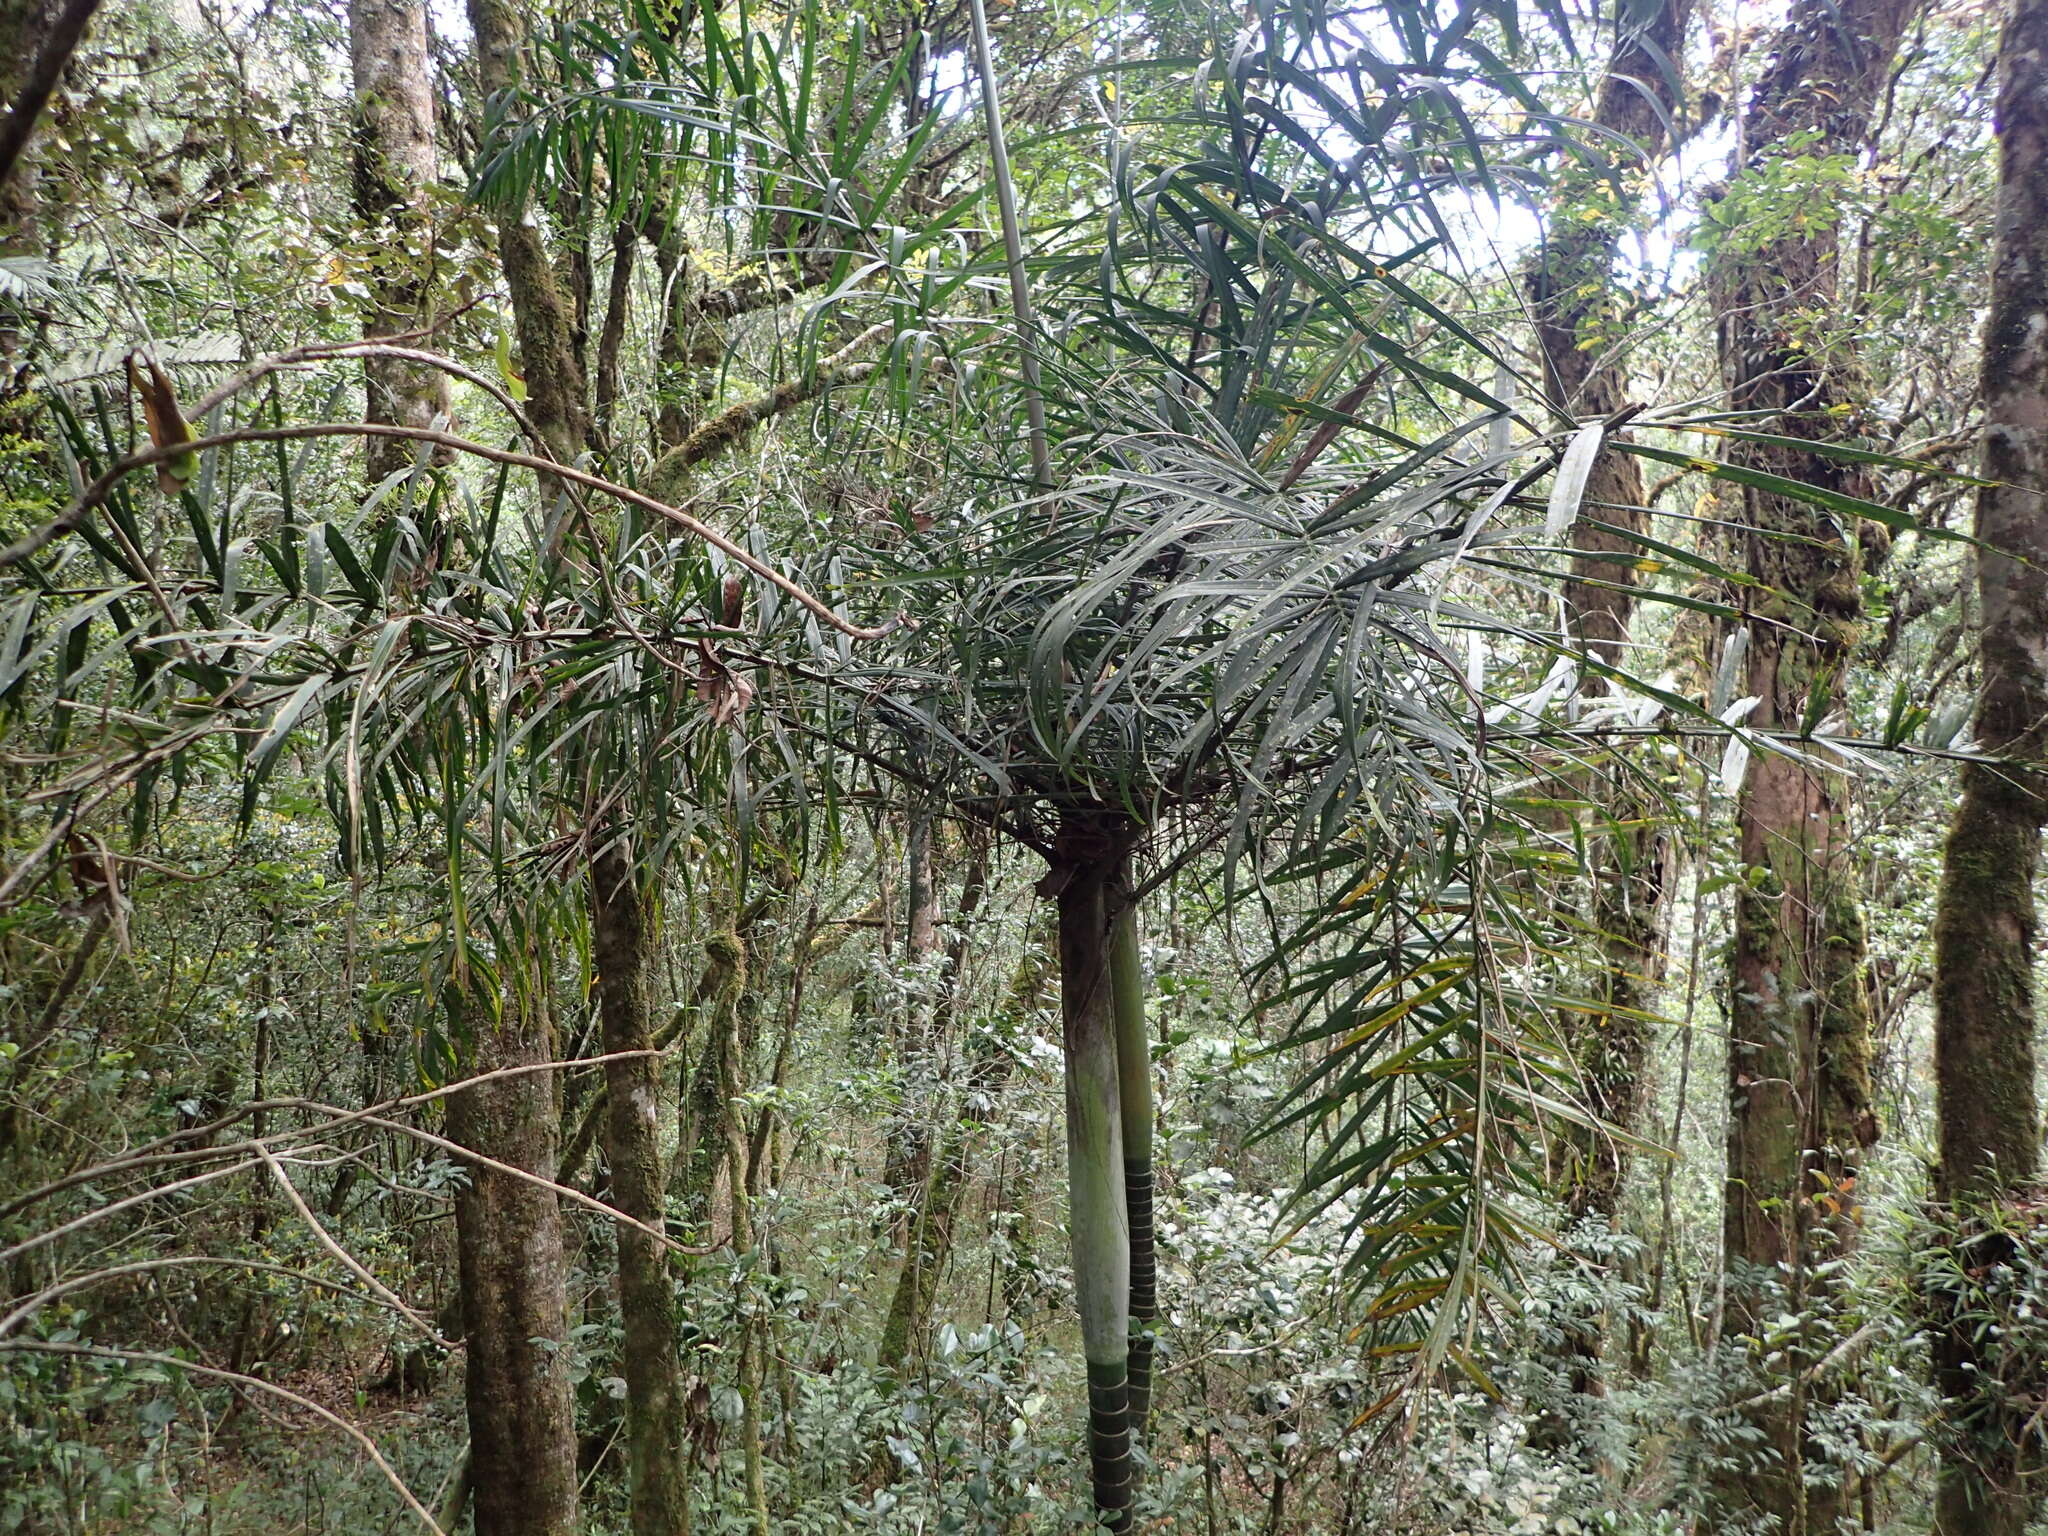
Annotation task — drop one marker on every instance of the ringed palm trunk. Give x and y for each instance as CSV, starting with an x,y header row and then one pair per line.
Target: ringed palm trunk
x,y
1800,1116
1134,1104
1984,1018
1090,854
658,1469
522,1410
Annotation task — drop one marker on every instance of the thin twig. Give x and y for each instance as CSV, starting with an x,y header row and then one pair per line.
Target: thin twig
x,y
348,1260
159,1152
63,1288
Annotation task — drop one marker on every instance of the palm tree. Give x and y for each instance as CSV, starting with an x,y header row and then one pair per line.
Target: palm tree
x,y
1207,616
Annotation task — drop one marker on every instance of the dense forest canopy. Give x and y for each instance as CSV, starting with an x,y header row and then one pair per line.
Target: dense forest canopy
x,y
1022,765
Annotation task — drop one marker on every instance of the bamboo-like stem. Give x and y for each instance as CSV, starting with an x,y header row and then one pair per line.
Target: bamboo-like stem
x,y
1013,251
1134,1099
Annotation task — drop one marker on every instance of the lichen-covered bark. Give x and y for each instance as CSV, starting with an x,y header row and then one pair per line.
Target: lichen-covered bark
x,y
1580,327
541,318
1800,1113
392,157
1580,331
522,1409
1986,1110
620,940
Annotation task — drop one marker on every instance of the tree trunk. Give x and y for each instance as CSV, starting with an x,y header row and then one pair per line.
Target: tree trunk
x,y
1800,1113
540,316
522,1410
1579,329
703,1140
732,1062
37,39
1988,1119
910,1309
35,46
393,160
909,1158
1091,851
647,1307
40,37
611,341
1134,1108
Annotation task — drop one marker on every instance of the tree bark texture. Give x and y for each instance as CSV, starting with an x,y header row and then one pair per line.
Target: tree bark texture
x,y
540,315
392,156
1581,332
1986,1111
1800,1115
658,1467
522,1410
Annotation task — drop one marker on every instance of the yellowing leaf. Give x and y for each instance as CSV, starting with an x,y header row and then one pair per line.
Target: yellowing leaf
x,y
166,424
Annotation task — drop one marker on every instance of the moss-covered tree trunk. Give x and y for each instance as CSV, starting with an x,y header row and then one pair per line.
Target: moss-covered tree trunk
x,y
908,1161
392,158
1089,858
620,941
522,1407
1581,331
1800,1116
541,317
1984,1057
